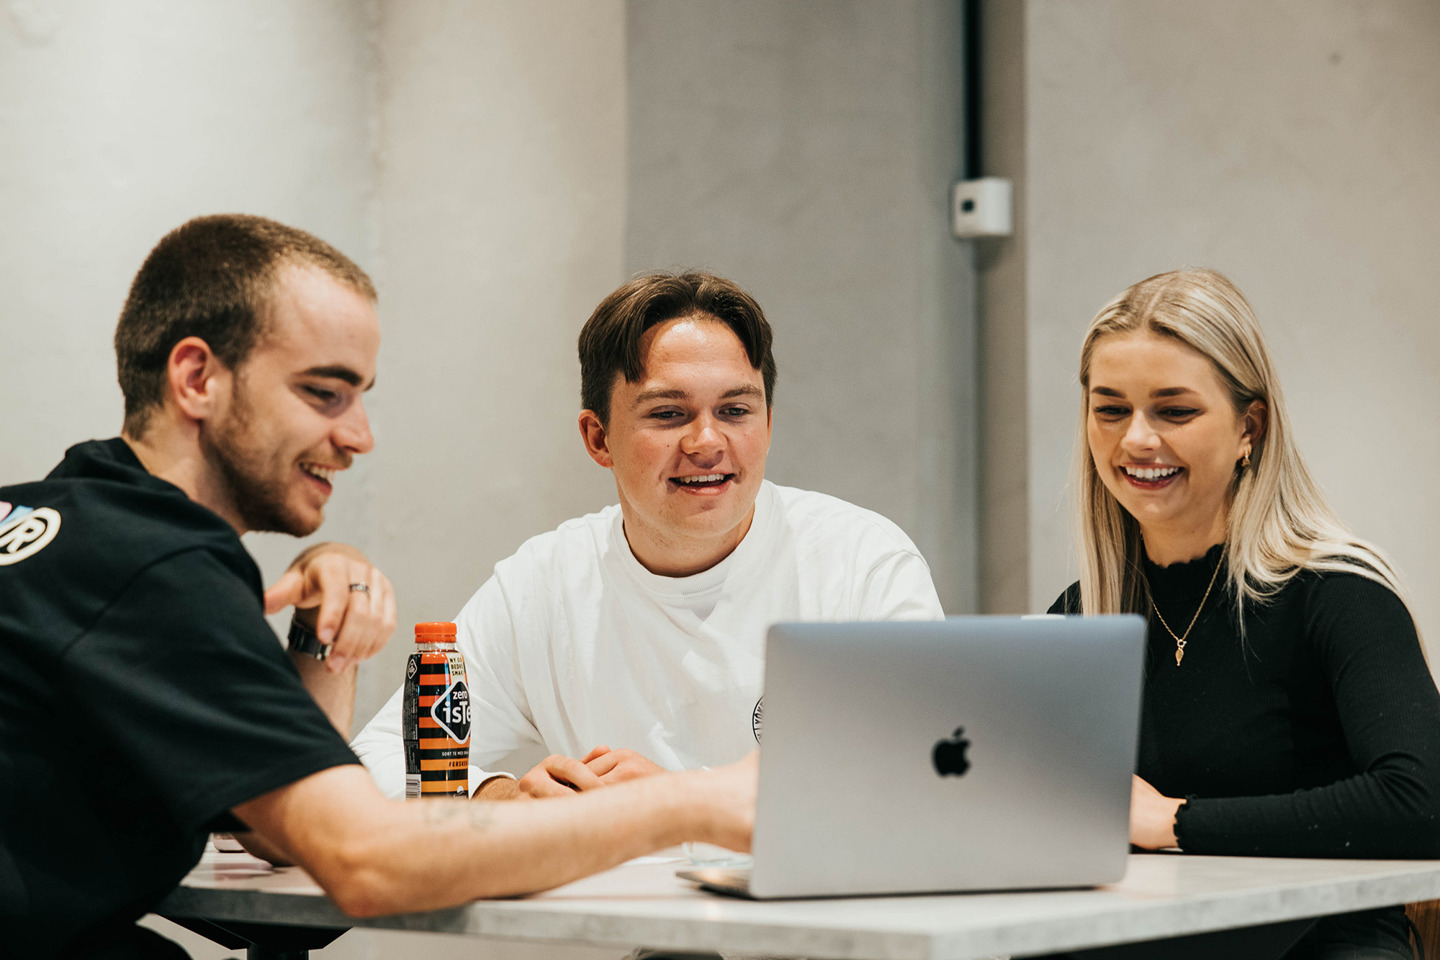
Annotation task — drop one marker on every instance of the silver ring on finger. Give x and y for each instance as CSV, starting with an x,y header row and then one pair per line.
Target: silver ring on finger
x,y
360,587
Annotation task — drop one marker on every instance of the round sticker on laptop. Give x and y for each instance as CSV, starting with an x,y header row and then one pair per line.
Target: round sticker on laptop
x,y
756,717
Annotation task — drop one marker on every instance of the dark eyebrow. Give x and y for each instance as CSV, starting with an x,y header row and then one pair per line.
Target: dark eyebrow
x,y
748,390
338,372
1106,392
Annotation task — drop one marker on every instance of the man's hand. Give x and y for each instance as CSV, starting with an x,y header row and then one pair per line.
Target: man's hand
x,y
561,776
617,766
326,579
1152,816
558,776
728,802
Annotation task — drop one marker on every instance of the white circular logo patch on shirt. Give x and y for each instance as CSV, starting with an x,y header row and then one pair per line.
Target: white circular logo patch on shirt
x,y
27,534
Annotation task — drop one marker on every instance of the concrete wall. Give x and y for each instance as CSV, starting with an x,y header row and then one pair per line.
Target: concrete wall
x,y
806,150
1291,145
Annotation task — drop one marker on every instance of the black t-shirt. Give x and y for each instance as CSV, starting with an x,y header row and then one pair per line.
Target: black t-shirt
x,y
142,695
1317,735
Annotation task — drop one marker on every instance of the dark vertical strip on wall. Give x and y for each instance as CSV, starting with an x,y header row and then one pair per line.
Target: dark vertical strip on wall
x,y
971,40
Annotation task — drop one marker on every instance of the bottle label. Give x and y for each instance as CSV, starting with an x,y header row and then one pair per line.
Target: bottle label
x,y
435,724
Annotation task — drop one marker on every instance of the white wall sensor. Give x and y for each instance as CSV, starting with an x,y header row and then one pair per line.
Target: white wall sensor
x,y
981,208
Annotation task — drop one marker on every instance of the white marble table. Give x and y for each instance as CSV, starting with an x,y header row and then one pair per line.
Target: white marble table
x,y
644,904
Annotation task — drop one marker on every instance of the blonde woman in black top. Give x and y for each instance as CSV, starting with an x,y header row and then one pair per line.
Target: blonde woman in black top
x,y
1288,708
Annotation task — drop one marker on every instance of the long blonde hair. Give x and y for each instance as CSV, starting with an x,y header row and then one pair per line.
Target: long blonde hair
x,y
1279,522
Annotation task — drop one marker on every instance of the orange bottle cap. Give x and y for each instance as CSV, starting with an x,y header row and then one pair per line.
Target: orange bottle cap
x,y
434,631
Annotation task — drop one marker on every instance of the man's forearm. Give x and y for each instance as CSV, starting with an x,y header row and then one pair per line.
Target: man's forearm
x,y
334,692
441,853
376,856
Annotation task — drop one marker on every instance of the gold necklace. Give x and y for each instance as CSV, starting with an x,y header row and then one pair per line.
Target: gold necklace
x,y
1180,640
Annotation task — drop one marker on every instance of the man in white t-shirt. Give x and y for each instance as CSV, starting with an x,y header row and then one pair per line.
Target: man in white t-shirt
x,y
642,627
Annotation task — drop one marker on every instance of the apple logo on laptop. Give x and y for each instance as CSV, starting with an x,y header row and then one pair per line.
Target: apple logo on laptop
x,y
949,755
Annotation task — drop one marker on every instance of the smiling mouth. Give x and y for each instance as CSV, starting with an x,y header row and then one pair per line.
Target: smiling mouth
x,y
324,475
1151,478
703,481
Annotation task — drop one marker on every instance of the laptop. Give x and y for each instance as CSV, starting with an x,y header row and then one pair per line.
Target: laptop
x,y
974,753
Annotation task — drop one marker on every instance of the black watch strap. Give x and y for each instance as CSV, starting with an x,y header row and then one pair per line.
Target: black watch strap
x,y
303,640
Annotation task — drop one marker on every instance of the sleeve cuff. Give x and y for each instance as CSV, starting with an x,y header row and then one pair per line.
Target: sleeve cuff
x,y
1180,813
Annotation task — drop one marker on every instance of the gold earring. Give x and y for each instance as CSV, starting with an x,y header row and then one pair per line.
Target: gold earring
x,y
1245,457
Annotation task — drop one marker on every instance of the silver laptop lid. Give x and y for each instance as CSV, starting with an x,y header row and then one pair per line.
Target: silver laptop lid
x,y
964,754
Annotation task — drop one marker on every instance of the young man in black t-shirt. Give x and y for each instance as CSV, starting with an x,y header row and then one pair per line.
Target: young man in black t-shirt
x,y
143,700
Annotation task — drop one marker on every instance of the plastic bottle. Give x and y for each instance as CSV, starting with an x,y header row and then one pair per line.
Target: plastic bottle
x,y
435,717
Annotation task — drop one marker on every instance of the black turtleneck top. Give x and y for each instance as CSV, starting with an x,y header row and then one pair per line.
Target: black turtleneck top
x,y
1316,735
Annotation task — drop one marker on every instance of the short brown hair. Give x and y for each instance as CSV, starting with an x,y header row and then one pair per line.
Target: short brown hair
x,y
210,278
610,340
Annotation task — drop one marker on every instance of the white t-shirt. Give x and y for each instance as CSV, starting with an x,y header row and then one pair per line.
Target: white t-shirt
x,y
572,643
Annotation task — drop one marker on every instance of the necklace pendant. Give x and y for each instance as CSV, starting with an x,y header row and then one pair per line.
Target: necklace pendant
x,y
1179,655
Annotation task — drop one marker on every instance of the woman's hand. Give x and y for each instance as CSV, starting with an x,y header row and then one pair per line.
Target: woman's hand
x,y
1152,816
